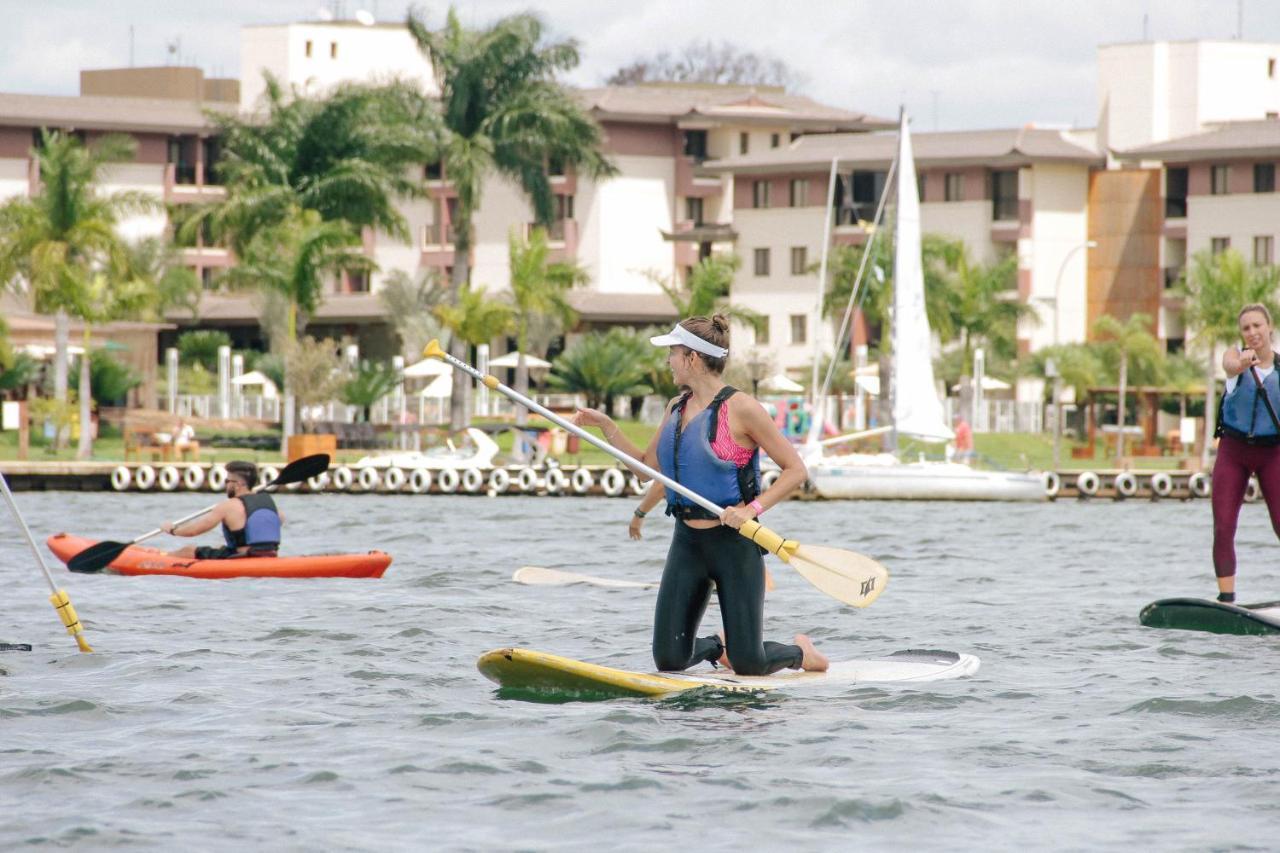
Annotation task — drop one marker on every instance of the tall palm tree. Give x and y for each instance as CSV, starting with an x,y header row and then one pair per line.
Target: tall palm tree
x,y
603,366
410,305
62,246
348,156
983,311
1125,342
538,289
503,114
1216,288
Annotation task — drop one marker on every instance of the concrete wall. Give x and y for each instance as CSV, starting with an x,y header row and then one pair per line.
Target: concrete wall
x,y
1059,224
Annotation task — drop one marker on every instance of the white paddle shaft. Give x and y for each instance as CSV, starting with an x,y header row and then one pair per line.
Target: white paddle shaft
x,y
629,461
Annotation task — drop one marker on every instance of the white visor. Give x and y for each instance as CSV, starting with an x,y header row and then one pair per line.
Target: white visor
x,y
682,336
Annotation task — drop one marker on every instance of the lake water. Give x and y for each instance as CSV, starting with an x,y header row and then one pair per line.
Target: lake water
x,y
348,714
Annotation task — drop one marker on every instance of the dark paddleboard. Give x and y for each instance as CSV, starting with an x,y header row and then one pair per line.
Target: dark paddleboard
x,y
1216,617
15,647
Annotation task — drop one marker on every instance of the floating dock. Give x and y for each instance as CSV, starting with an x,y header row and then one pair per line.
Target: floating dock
x,y
566,480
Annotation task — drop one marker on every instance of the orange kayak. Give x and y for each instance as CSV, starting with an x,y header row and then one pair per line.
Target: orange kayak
x,y
141,560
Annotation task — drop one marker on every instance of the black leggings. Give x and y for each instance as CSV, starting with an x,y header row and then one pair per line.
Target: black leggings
x,y
696,559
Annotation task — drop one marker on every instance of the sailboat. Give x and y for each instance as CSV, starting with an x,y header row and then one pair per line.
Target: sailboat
x,y
917,410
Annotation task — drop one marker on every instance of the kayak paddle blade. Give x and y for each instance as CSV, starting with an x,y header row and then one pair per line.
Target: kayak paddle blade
x,y
96,557
302,469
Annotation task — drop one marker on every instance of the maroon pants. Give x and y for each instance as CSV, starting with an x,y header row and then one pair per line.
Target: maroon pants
x,y
1236,461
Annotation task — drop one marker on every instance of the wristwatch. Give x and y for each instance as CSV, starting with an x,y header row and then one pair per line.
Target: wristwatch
x,y
639,513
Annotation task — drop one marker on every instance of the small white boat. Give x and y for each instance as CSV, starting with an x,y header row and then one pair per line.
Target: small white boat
x,y
917,409
477,451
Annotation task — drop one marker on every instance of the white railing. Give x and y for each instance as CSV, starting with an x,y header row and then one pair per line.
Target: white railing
x,y
206,406
1002,415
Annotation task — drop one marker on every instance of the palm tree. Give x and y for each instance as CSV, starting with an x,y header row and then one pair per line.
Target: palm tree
x,y
538,289
62,245
475,318
410,305
367,385
296,258
940,256
705,291
348,156
503,114
1130,340
983,311
1216,288
603,367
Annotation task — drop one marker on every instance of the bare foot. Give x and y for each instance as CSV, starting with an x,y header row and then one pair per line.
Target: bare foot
x,y
723,660
813,660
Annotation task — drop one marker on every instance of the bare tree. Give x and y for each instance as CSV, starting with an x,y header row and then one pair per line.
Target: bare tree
x,y
706,62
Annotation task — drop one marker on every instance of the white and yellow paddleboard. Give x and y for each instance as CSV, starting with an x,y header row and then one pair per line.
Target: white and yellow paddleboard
x,y
540,672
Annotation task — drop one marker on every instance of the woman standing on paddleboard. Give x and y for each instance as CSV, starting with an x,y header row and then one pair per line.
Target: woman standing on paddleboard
x,y
710,441
1248,439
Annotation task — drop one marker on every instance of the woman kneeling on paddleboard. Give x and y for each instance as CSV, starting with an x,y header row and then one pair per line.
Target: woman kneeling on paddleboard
x,y
710,441
1248,439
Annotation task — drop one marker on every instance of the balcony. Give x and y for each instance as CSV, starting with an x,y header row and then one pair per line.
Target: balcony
x,y
688,231
1175,208
562,239
1171,276
184,182
690,184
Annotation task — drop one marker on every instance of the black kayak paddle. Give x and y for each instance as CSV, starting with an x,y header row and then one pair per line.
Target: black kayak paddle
x,y
98,556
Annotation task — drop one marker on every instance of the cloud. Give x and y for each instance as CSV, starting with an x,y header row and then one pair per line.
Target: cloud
x,y
986,63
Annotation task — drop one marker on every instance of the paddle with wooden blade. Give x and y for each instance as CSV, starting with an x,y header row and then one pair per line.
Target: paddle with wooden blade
x,y
59,599
844,575
97,557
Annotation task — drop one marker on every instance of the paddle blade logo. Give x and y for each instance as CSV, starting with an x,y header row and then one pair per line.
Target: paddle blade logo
x,y
868,586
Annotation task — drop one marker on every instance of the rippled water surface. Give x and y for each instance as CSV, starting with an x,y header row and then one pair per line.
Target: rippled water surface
x,y
348,714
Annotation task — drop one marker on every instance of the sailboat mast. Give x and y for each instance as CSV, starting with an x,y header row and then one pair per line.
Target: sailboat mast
x,y
816,392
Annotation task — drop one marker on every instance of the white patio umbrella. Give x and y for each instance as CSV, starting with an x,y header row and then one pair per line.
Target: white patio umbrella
x,y
256,377
426,368
512,360
989,383
441,386
781,382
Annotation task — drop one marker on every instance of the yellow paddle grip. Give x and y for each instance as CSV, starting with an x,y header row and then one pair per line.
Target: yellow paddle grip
x,y
67,613
768,540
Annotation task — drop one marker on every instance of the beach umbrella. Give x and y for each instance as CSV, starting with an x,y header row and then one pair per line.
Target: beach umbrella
x,y
512,360
782,383
428,367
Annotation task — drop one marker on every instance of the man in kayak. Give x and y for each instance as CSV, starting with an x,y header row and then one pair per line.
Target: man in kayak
x,y
710,440
250,521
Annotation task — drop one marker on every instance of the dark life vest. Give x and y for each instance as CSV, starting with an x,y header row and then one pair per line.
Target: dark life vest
x,y
1242,414
686,456
261,531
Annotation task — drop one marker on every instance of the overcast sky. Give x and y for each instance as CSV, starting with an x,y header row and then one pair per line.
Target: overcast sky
x,y
954,63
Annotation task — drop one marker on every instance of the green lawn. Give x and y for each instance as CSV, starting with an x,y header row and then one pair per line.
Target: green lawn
x,y
1013,451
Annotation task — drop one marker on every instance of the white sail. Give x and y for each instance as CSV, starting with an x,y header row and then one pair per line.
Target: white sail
x,y
917,411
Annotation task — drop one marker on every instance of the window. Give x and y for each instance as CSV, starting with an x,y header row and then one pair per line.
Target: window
x,y
1004,195
866,187
760,194
1264,177
695,144
182,156
212,153
1175,193
1218,179
744,143
799,192
693,210
920,176
799,327
357,282
308,48
799,260
433,171
1271,68
555,167
564,207
762,261
1262,251
333,50
207,280
954,184
762,332
1218,245
775,139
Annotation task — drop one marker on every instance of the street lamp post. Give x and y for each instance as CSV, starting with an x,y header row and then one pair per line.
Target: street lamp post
x,y
1056,372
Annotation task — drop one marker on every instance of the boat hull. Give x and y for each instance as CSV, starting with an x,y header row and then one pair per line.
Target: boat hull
x,y
927,481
